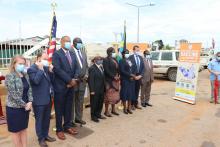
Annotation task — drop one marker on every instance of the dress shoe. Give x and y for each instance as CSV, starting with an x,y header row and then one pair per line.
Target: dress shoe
x,y
129,111
144,105
80,122
50,139
42,143
125,112
115,113
138,107
71,131
149,105
73,124
107,115
61,135
102,117
95,120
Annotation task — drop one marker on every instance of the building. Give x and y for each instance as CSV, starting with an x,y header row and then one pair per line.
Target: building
x,y
10,48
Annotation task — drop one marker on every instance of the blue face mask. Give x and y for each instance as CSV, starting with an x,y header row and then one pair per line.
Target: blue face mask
x,y
20,68
79,46
67,45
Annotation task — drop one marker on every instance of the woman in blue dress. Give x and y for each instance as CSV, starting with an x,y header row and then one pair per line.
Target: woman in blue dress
x,y
127,92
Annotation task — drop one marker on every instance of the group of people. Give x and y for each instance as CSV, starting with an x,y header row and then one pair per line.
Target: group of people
x,y
110,81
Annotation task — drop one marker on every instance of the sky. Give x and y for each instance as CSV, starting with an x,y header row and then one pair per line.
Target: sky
x,y
99,20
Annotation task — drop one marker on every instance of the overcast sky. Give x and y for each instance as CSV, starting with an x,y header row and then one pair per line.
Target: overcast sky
x,y
169,20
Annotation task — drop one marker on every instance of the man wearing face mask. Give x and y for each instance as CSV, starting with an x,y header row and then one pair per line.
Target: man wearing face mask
x,y
65,80
77,108
41,76
146,80
96,82
214,69
138,66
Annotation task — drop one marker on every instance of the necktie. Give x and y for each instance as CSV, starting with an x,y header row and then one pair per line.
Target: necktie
x,y
80,56
69,58
138,62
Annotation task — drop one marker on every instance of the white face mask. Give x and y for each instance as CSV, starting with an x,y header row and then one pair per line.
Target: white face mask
x,y
127,56
45,63
113,55
148,56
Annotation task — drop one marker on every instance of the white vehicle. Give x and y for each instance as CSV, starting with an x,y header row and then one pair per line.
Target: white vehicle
x,y
166,63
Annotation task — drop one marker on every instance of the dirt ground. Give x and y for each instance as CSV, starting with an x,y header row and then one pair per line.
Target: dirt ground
x,y
169,123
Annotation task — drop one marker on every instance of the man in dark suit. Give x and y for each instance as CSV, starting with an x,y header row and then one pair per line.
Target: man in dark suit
x,y
138,67
40,74
97,88
147,80
66,74
77,108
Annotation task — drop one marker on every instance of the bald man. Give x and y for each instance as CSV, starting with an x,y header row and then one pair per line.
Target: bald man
x,y
66,74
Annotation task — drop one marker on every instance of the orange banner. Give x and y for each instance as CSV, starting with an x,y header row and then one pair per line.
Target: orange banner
x,y
190,52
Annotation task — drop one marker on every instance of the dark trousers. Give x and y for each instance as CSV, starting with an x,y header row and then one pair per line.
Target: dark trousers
x,y
63,109
136,94
42,120
96,102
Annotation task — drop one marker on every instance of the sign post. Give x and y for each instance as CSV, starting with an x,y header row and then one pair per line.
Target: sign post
x,y
187,73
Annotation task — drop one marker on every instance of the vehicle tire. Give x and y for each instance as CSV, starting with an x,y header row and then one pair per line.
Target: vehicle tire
x,y
172,74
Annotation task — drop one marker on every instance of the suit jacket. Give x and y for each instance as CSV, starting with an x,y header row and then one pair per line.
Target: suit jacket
x,y
63,71
96,80
41,83
110,69
148,71
14,86
83,71
141,70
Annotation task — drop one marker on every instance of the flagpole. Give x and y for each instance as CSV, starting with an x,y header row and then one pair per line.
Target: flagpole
x,y
53,5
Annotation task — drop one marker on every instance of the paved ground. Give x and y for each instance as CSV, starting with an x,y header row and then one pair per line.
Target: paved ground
x,y
169,123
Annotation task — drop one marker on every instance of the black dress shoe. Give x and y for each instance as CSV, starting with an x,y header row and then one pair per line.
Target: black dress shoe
x,y
129,111
102,117
50,139
80,122
143,105
115,113
149,104
73,125
42,143
125,112
95,120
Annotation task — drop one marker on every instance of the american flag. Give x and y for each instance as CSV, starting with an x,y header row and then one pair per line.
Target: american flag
x,y
52,41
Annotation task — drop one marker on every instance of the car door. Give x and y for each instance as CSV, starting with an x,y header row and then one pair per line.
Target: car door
x,y
166,61
155,57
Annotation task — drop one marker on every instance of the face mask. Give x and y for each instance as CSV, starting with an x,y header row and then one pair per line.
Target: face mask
x,y
99,62
20,68
113,55
137,53
147,56
67,45
127,56
45,63
79,46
